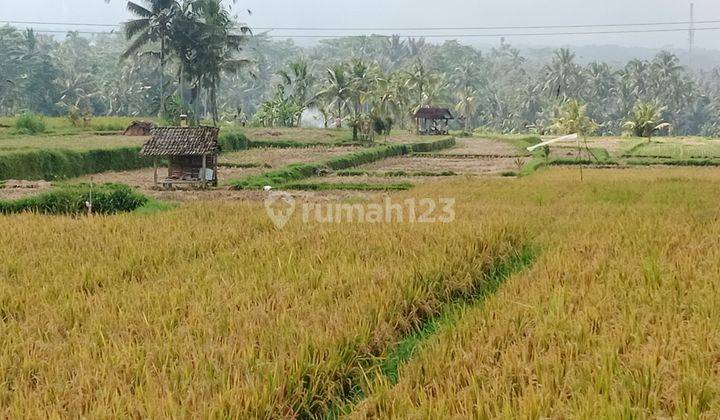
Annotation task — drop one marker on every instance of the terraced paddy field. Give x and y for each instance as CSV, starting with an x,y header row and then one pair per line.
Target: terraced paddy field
x,y
678,149
440,163
545,297
306,135
277,157
75,142
480,147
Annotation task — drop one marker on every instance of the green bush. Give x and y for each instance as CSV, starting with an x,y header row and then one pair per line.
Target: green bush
x,y
29,123
233,141
62,164
70,199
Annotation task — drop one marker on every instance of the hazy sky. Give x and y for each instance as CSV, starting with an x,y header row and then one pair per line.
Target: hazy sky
x,y
423,13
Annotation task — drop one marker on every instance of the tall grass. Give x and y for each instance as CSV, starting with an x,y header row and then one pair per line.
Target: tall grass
x,y
29,123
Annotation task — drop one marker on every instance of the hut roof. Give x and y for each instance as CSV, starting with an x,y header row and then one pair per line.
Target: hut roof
x,y
182,141
434,113
139,128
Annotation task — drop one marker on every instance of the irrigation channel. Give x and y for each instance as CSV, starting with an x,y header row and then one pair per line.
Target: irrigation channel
x,y
388,369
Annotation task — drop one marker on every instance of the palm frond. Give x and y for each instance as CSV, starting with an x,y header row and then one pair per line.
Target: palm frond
x,y
138,10
134,27
136,45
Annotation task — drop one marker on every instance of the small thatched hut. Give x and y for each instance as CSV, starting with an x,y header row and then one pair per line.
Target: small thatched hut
x,y
433,121
192,154
139,128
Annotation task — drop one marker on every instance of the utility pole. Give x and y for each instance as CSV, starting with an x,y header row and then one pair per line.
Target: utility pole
x,y
691,34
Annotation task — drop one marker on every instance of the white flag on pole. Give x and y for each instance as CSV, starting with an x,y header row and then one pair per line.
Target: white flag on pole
x,y
553,141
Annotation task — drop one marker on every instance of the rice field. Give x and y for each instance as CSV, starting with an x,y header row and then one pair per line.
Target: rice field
x,y
616,319
76,142
275,157
319,135
210,310
678,150
62,125
442,163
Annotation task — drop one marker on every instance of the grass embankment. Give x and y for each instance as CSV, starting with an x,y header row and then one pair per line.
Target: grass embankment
x,y
615,318
297,172
328,186
63,164
169,316
391,174
54,158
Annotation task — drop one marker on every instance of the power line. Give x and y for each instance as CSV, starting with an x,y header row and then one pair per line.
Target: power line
x,y
386,29
495,35
491,28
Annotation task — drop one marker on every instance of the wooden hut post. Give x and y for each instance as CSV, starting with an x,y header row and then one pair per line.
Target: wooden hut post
x,y
204,170
155,167
215,173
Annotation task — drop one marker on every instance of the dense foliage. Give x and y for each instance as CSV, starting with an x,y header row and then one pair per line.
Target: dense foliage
x,y
199,65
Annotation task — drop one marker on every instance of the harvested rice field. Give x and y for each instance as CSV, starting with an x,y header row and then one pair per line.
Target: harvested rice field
x,y
479,147
275,157
464,165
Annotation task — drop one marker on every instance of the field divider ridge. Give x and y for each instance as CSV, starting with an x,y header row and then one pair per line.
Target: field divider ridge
x,y
296,172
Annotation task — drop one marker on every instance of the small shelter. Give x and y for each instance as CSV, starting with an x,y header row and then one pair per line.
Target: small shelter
x,y
433,121
192,154
139,128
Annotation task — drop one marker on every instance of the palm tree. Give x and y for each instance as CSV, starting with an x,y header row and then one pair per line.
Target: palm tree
x,y
395,51
466,106
153,24
338,89
210,47
299,82
646,120
562,74
574,119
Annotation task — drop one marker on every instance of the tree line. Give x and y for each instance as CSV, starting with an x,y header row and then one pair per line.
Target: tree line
x,y
192,57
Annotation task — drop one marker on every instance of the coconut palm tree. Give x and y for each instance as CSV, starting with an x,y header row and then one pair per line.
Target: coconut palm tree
x,y
466,106
209,46
563,78
154,23
338,89
299,82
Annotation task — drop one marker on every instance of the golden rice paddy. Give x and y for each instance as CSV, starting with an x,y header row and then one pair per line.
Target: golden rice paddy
x,y
208,310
